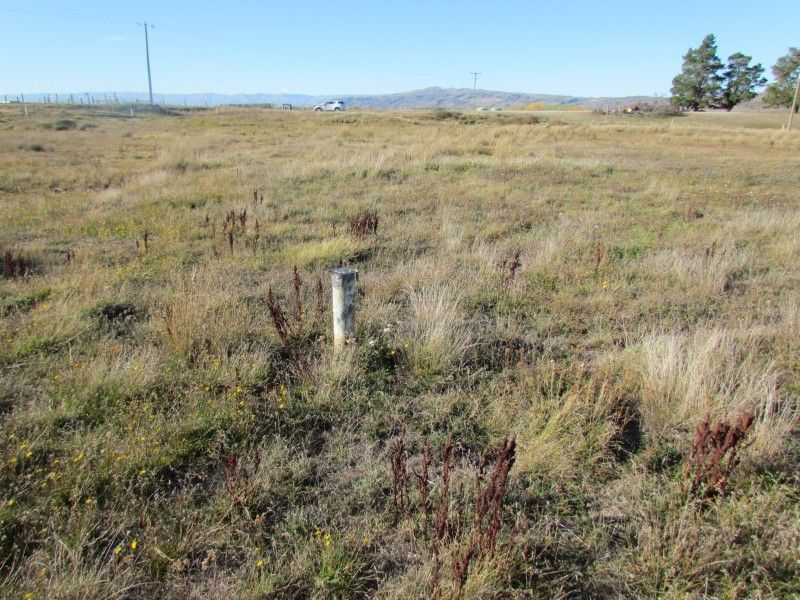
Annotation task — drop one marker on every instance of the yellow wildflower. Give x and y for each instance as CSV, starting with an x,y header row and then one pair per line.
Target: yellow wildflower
x,y
118,550
260,563
134,544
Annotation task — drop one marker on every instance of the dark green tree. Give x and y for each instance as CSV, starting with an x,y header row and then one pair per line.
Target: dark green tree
x,y
786,72
740,80
698,84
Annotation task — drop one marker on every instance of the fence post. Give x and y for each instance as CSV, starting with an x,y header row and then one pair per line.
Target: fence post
x,y
343,287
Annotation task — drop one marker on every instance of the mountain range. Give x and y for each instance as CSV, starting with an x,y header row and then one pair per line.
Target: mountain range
x,y
430,97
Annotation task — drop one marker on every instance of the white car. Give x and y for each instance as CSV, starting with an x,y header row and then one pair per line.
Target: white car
x,y
333,105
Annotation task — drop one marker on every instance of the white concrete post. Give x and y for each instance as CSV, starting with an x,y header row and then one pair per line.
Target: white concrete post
x,y
343,286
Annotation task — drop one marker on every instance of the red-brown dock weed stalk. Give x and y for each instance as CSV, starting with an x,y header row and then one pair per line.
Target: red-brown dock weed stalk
x,y
399,457
297,298
364,224
15,265
286,335
478,542
487,516
508,269
240,476
423,486
441,524
714,454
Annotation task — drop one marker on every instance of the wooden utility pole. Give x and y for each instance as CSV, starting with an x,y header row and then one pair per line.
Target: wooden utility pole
x,y
147,55
475,89
794,104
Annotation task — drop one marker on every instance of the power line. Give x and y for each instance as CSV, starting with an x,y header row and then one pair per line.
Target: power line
x,y
475,89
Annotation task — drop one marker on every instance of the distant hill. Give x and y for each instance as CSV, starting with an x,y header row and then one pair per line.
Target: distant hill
x,y
436,97
431,97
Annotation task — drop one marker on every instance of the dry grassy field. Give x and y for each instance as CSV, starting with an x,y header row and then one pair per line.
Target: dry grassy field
x,y
576,370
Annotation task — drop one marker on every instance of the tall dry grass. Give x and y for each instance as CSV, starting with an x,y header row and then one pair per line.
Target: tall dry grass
x,y
436,332
713,372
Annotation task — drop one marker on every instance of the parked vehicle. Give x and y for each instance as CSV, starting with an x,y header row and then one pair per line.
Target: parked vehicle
x,y
332,105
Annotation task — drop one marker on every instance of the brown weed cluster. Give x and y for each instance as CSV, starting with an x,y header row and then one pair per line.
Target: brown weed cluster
x,y
473,542
508,269
288,330
363,224
400,503
15,265
239,476
714,454
287,336
143,246
481,542
234,226
489,498
601,258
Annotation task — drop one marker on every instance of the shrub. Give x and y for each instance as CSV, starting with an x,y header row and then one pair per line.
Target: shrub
x,y
65,125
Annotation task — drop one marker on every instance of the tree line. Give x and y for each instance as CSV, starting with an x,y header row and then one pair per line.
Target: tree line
x,y
705,82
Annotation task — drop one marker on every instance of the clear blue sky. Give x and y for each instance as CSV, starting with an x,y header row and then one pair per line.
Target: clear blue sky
x,y
579,47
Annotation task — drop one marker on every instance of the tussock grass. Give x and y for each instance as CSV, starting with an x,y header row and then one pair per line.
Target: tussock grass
x,y
437,336
592,289
714,373
564,427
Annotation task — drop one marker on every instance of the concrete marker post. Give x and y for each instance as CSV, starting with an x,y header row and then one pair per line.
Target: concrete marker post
x,y
343,288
